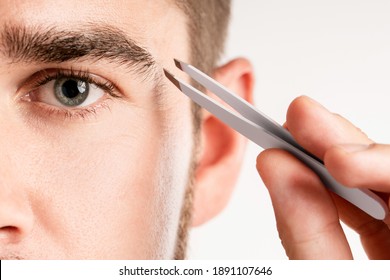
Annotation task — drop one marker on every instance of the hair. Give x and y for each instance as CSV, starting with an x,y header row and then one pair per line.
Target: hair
x,y
207,24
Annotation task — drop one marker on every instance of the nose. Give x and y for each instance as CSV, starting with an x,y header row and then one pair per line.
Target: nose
x,y
16,219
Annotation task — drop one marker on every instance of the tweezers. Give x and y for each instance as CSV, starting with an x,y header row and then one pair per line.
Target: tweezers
x,y
267,133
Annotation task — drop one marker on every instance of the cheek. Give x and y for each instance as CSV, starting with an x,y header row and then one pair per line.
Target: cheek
x,y
109,188
173,168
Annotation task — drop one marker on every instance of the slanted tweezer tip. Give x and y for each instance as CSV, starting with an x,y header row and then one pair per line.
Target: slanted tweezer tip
x,y
178,63
172,78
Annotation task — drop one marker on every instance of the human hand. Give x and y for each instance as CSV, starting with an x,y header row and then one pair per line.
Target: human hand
x,y
307,214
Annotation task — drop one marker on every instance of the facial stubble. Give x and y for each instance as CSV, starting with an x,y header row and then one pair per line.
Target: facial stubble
x,y
187,207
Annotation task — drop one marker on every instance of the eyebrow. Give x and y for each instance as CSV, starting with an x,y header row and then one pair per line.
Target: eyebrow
x,y
53,45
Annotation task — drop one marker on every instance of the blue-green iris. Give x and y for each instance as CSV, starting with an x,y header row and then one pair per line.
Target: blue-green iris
x,y
71,92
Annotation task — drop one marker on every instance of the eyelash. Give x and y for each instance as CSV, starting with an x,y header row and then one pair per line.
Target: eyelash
x,y
43,77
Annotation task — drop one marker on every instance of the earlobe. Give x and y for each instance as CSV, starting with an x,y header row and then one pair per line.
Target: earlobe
x,y
222,147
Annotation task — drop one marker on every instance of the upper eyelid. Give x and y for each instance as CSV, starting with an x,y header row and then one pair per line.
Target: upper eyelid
x,y
30,92
97,41
43,76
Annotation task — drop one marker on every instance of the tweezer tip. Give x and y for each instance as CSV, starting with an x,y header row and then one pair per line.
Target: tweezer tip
x,y
172,78
178,64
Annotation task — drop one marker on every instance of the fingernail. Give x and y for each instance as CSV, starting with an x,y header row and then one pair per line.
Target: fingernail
x,y
354,148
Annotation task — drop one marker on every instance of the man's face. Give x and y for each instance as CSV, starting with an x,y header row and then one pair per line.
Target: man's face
x,y
95,147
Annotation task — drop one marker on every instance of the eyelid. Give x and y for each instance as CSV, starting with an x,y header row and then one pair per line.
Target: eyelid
x,y
41,78
44,76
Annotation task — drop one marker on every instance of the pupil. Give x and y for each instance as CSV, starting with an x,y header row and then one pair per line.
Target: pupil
x,y
71,89
71,92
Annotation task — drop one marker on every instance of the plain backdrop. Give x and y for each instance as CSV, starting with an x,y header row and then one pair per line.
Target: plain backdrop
x,y
335,51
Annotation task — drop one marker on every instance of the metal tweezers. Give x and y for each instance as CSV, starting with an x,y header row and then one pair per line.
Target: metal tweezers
x,y
266,133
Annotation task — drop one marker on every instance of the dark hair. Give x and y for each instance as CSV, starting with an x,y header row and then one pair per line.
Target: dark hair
x,y
207,24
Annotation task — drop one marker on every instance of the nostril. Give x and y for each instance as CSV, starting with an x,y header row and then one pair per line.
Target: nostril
x,y
7,232
16,216
10,229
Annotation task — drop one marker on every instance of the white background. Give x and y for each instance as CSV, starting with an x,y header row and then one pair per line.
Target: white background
x,y
335,51
276,270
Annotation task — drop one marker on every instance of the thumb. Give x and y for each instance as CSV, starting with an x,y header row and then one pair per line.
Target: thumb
x,y
362,166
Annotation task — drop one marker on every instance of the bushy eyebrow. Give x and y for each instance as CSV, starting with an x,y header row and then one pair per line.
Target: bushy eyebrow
x,y
53,45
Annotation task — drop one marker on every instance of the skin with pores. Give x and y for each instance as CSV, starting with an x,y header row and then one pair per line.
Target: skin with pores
x,y
107,180
67,178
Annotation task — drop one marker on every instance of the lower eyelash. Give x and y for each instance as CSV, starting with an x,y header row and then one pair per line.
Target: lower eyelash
x,y
70,114
42,115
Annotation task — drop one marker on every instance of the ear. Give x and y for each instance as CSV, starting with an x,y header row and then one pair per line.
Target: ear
x,y
222,148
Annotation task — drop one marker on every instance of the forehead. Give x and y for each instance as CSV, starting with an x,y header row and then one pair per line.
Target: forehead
x,y
150,22
128,12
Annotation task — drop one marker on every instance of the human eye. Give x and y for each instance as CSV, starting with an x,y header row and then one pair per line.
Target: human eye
x,y
69,93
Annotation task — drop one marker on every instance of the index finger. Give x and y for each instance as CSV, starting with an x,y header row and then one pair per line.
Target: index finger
x,y
317,130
